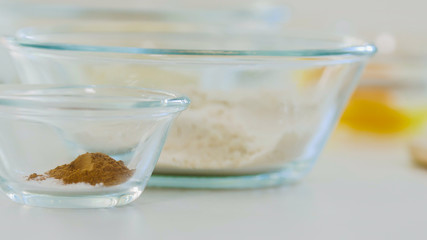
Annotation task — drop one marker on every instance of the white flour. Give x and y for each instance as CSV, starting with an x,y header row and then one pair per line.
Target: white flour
x,y
234,132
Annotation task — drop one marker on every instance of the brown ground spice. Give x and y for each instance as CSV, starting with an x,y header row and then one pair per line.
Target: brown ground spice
x,y
91,168
36,177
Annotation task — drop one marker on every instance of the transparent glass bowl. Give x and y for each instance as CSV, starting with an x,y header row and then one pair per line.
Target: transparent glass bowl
x,y
263,105
42,127
254,15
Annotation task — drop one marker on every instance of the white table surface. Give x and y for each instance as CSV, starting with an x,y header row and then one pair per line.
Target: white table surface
x,y
359,189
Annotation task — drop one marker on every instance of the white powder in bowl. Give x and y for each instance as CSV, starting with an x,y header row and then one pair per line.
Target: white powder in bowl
x,y
233,133
56,184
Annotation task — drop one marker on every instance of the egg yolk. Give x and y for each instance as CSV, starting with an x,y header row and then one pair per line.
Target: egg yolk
x,y
372,110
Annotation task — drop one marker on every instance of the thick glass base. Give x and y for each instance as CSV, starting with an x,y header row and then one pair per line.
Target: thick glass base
x,y
72,200
290,174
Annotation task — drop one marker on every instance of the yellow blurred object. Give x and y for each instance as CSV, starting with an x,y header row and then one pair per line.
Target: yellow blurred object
x,y
374,110
308,77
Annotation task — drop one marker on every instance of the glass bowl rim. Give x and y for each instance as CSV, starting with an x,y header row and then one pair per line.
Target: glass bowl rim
x,y
24,38
34,96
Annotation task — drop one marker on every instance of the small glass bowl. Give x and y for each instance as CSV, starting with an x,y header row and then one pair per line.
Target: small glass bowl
x,y
42,127
263,105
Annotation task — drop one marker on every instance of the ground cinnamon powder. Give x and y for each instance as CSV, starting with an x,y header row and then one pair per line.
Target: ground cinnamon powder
x,y
91,168
36,177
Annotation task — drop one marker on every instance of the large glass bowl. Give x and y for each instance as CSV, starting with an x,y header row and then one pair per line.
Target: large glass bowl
x,y
43,127
263,105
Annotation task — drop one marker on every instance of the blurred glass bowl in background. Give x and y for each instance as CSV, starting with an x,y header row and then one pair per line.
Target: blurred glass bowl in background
x,y
154,16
